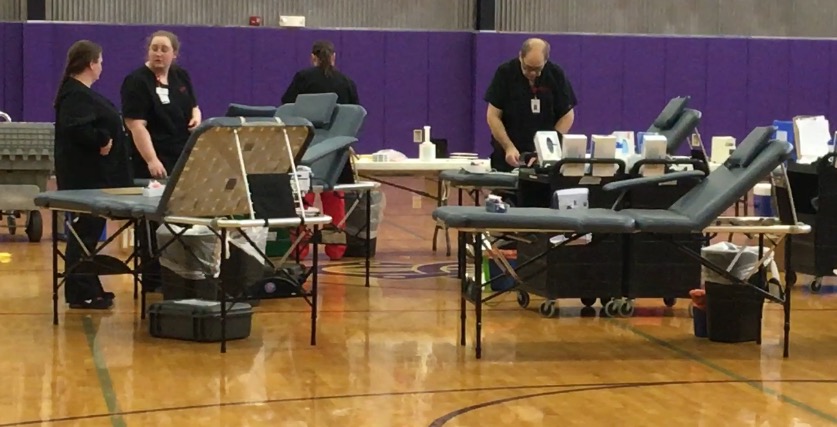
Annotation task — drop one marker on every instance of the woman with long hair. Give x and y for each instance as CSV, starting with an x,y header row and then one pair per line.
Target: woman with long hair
x,y
90,153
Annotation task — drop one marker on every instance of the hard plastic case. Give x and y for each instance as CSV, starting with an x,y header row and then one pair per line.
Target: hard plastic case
x,y
198,320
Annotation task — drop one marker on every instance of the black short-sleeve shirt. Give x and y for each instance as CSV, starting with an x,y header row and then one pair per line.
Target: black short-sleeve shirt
x,y
166,123
315,80
511,92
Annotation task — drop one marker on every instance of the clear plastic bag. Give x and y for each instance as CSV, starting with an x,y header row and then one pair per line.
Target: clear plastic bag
x,y
202,259
740,261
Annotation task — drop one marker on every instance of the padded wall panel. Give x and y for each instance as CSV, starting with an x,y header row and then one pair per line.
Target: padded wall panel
x,y
11,71
405,89
601,85
449,89
273,66
686,72
643,97
809,74
488,55
768,89
362,57
725,109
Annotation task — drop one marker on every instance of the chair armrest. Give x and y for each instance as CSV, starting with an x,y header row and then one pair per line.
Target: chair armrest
x,y
326,147
636,182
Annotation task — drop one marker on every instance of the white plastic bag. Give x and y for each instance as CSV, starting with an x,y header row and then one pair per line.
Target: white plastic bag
x,y
740,261
258,235
201,260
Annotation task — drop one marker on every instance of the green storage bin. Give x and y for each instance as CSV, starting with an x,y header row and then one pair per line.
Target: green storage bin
x,y
278,242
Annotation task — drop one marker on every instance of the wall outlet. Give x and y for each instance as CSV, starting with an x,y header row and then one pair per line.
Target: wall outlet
x,y
418,135
292,21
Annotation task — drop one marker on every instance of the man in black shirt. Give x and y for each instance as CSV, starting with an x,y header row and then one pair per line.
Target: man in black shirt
x,y
527,94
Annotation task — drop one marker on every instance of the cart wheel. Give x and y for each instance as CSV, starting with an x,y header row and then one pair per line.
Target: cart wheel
x,y
34,226
816,285
523,299
611,308
626,309
604,301
12,224
669,302
548,309
588,302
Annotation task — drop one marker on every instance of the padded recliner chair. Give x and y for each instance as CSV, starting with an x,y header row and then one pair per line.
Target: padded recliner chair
x,y
676,122
328,156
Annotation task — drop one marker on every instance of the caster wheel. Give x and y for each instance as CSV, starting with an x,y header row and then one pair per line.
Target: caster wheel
x,y
604,301
548,309
626,309
611,308
669,302
523,299
34,226
588,302
816,285
11,222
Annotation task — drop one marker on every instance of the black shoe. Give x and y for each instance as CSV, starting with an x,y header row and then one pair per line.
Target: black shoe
x,y
94,304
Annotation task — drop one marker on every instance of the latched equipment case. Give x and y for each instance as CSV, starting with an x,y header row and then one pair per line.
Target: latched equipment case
x,y
198,320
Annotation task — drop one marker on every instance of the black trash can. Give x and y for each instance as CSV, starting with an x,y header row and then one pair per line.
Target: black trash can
x,y
188,265
733,313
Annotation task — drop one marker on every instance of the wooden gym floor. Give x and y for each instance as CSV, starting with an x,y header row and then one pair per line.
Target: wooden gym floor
x,y
389,356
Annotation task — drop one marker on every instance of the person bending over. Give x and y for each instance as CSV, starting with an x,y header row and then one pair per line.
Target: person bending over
x,y
90,153
527,94
323,77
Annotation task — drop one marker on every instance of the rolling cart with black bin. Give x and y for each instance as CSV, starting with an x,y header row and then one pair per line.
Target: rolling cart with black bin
x,y
585,270
649,272
815,200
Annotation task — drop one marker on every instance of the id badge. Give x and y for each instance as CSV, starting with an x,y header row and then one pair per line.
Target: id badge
x,y
163,93
536,106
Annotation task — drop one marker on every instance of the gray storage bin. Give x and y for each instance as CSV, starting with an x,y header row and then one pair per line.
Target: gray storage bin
x,y
198,320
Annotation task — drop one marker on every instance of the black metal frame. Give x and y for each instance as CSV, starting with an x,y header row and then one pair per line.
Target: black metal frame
x,y
310,297
471,291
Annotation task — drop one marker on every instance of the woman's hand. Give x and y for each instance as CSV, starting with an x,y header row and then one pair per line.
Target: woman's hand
x,y
156,169
104,151
196,119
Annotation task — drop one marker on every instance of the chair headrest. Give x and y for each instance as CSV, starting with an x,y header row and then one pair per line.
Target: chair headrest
x,y
750,147
241,110
318,108
671,112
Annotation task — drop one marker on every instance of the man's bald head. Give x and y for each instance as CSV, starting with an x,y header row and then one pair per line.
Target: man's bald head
x,y
535,46
533,56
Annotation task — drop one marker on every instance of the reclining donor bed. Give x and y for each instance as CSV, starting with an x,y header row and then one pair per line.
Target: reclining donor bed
x,y
697,212
234,174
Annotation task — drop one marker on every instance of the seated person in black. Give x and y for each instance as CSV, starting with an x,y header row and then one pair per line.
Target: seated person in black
x,y
90,152
528,94
323,77
161,110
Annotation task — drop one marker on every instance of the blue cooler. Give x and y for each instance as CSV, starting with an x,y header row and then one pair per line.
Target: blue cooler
x,y
763,200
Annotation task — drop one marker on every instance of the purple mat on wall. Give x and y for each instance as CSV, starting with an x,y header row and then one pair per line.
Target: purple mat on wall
x,y
410,79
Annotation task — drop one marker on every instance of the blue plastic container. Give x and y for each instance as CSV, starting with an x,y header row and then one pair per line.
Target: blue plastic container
x,y
503,283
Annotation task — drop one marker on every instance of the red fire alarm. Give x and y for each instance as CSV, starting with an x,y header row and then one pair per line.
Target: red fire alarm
x,y
255,21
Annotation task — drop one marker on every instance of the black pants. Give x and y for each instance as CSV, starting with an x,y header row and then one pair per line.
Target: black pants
x,y
499,164
81,287
147,232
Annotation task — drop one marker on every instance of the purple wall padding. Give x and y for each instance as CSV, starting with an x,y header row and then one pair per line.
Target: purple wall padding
x,y
11,70
409,79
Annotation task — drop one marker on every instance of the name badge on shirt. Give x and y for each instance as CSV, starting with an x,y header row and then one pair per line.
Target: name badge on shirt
x,y
163,93
536,106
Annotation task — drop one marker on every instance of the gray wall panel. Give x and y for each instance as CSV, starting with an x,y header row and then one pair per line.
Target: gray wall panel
x,y
12,10
765,18
405,14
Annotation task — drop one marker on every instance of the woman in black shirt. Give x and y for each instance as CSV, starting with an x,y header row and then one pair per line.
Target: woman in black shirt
x,y
90,152
161,110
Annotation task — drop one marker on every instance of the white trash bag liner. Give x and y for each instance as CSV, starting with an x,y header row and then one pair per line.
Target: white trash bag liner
x,y
202,259
740,261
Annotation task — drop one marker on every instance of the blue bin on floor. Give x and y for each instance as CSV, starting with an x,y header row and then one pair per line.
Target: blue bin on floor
x,y
68,217
503,283
699,317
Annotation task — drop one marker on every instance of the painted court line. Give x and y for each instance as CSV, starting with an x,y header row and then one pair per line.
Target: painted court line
x,y
758,385
102,373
